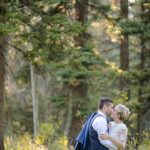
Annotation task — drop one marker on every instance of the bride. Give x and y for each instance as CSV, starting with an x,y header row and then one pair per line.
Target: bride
x,y
117,129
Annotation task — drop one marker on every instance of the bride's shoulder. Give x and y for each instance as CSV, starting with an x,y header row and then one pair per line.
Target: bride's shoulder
x,y
123,127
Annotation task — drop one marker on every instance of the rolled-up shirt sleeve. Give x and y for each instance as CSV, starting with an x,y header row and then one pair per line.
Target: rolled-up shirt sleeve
x,y
100,126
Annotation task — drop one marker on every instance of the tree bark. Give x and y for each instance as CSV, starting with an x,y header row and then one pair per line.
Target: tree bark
x,y
82,11
1,95
2,78
34,102
140,92
124,52
69,113
79,91
124,60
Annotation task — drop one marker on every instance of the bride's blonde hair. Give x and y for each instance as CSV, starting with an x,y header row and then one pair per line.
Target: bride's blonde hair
x,y
123,111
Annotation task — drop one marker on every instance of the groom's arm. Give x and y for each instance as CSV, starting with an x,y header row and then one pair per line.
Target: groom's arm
x,y
100,126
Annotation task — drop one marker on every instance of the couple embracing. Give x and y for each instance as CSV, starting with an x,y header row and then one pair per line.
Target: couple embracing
x,y
98,134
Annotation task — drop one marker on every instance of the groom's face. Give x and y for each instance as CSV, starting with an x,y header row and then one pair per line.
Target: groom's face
x,y
109,109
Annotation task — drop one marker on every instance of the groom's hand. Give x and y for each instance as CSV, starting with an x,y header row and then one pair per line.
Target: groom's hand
x,y
105,136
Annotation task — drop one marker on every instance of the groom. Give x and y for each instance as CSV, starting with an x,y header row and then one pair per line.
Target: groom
x,y
99,126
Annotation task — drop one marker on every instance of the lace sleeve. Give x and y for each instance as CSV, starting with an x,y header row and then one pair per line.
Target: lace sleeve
x,y
123,136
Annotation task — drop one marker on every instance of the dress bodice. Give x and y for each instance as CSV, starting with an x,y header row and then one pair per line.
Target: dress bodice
x,y
118,132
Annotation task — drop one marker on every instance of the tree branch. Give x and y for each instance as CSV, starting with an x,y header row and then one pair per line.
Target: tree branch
x,y
102,12
26,56
20,50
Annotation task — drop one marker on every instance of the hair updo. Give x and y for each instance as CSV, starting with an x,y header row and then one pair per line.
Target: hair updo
x,y
123,111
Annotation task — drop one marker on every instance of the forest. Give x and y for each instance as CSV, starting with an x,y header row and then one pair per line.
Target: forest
x,y
59,57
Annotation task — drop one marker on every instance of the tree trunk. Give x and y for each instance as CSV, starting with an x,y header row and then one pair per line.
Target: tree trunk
x,y
1,95
124,60
80,91
124,52
140,92
2,58
34,102
69,113
81,11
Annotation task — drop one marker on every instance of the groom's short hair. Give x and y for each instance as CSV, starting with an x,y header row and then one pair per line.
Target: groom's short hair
x,y
104,101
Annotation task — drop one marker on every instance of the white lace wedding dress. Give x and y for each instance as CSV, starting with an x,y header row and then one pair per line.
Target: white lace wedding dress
x,y
118,132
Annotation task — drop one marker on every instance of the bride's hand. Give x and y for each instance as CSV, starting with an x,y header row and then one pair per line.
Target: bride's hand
x,y
109,125
105,136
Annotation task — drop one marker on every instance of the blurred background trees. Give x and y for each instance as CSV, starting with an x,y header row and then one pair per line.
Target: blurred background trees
x,y
80,50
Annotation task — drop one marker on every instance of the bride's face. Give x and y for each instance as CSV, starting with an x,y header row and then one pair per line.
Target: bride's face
x,y
114,114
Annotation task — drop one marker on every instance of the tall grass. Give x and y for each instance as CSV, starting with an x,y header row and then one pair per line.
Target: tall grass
x,y
49,138
25,142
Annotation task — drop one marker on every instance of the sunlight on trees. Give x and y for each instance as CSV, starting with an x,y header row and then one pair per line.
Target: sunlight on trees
x,y
80,50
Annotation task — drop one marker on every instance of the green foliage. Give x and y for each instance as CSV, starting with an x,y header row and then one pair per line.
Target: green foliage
x,y
19,115
132,142
63,49
59,101
22,76
50,134
7,24
135,28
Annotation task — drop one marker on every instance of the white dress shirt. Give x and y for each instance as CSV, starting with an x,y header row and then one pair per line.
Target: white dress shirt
x,y
100,126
